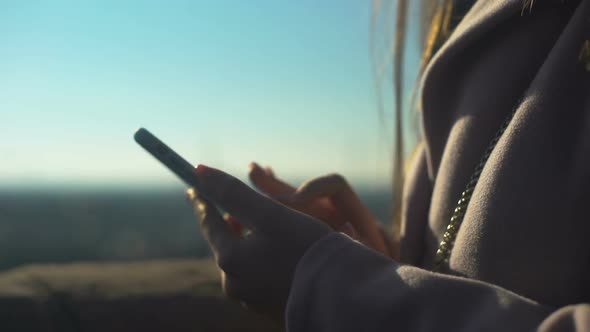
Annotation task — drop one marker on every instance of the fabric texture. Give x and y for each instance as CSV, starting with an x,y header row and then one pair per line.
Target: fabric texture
x,y
521,260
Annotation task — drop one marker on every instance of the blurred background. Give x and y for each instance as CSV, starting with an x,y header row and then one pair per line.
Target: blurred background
x,y
295,85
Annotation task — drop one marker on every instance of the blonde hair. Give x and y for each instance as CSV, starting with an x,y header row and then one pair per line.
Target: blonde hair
x,y
434,30
437,20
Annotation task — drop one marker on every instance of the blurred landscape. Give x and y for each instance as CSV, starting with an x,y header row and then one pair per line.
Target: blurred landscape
x,y
297,85
69,225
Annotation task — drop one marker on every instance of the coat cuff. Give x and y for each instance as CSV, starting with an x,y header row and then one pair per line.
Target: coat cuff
x,y
314,278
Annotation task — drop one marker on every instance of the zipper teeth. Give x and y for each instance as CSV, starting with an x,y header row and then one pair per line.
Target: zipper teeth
x,y
445,246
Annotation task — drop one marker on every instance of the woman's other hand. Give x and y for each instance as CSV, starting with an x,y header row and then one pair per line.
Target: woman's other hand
x,y
257,264
330,199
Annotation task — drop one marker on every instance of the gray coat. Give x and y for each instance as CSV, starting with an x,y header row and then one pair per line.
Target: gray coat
x,y
521,260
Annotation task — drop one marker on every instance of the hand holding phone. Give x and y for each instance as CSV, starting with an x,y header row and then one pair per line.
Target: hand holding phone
x,y
263,261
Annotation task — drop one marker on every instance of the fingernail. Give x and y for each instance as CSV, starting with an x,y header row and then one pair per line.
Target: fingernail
x,y
252,166
191,194
202,169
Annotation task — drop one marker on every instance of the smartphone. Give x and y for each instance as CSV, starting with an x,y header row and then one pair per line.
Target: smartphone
x,y
178,165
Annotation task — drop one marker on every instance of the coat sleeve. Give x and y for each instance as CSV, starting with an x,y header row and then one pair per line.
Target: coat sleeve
x,y
341,285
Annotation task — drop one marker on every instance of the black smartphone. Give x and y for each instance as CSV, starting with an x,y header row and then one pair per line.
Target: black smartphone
x,y
178,165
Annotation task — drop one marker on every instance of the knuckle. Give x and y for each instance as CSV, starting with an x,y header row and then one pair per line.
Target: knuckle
x,y
304,187
338,181
313,185
337,178
205,222
200,210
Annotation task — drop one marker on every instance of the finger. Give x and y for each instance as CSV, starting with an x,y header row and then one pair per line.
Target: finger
x,y
266,182
239,289
250,294
347,202
348,230
269,171
236,227
216,231
323,186
338,191
191,194
196,202
245,204
229,285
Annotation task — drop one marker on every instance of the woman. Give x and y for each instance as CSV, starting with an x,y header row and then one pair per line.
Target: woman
x,y
494,221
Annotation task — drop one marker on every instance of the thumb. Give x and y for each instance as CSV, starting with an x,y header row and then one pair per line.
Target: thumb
x,y
238,199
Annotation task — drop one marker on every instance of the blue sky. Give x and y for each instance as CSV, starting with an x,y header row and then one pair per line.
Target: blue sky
x,y
285,83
